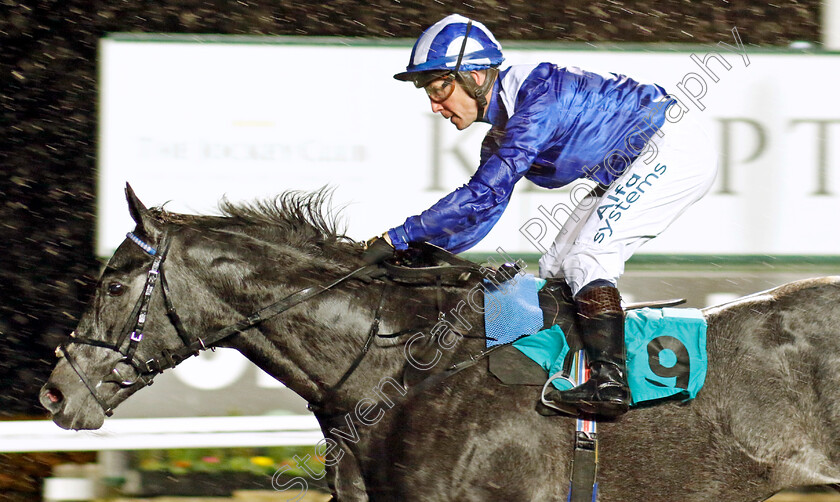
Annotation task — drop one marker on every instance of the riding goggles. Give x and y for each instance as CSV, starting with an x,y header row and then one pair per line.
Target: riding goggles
x,y
439,93
441,89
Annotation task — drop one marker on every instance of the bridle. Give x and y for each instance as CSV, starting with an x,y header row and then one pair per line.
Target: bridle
x,y
145,371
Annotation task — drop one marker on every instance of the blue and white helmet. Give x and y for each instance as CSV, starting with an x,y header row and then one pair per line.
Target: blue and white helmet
x,y
440,48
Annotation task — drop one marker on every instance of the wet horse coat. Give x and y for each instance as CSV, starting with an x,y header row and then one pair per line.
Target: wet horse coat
x,y
767,419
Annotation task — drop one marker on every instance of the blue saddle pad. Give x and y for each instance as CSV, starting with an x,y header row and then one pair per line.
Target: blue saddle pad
x,y
512,309
666,353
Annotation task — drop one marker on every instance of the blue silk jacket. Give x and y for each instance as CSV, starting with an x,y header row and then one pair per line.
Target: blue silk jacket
x,y
551,125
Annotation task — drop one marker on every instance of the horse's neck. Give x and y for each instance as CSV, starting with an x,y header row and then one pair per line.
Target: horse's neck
x,y
314,344
310,346
322,343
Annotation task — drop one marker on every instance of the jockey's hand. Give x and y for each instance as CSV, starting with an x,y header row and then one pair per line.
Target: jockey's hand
x,y
378,249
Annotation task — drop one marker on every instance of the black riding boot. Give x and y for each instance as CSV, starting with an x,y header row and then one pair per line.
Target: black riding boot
x,y
602,323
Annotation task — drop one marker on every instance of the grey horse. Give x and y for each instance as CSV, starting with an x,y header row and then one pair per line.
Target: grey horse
x,y
767,419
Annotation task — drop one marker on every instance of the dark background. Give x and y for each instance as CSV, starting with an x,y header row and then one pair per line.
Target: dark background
x,y
48,96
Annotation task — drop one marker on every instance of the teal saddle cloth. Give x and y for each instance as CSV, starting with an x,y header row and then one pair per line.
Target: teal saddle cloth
x,y
666,347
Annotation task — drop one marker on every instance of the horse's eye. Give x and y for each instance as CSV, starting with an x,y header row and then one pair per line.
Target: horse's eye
x,y
116,289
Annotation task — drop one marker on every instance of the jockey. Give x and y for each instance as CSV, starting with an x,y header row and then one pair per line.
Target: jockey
x,y
554,126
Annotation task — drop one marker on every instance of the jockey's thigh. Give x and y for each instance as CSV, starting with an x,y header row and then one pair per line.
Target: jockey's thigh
x,y
652,192
551,263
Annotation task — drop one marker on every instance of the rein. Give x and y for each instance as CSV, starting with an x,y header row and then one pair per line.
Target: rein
x,y
147,370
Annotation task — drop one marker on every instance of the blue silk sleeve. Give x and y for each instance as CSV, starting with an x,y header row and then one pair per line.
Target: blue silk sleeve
x,y
462,218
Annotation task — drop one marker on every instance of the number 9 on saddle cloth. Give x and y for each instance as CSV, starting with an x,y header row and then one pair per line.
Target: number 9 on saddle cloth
x,y
666,347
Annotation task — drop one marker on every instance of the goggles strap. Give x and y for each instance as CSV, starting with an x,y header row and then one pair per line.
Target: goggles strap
x,y
463,46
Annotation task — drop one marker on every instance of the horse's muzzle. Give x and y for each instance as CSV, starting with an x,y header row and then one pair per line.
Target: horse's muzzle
x,y
71,410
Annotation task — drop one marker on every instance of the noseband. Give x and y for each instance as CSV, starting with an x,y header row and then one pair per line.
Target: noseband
x,y
145,371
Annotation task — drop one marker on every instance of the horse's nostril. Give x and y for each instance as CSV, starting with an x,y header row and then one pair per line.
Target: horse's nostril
x,y
54,395
52,399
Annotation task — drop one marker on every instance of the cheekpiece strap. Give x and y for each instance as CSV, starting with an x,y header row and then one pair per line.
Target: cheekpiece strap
x,y
145,247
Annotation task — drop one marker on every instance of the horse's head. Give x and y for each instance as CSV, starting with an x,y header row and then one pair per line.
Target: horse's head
x,y
264,259
108,358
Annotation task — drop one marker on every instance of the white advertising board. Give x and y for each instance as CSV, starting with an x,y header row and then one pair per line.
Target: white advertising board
x,y
187,122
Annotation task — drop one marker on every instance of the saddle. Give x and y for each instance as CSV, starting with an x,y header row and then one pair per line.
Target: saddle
x,y
506,362
512,367
429,264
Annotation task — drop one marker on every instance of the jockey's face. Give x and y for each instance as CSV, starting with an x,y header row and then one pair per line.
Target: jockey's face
x,y
450,100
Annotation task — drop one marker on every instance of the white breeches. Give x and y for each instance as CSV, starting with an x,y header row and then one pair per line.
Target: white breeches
x,y
603,232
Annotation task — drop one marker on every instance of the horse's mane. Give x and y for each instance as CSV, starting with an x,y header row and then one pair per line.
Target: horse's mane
x,y
293,215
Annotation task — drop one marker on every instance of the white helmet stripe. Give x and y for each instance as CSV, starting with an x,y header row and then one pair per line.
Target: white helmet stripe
x,y
440,47
454,48
421,52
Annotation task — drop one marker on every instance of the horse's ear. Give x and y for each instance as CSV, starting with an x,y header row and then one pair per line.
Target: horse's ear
x,y
145,221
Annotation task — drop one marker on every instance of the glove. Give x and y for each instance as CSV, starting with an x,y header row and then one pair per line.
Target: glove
x,y
377,250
